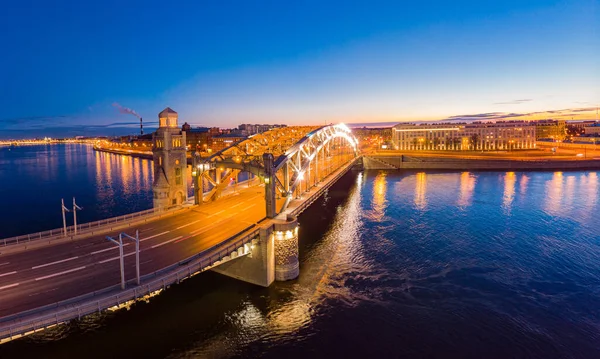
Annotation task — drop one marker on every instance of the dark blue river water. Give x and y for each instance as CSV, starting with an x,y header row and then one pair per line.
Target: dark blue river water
x,y
396,264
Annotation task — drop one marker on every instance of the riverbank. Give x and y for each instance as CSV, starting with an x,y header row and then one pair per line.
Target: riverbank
x,y
133,153
430,162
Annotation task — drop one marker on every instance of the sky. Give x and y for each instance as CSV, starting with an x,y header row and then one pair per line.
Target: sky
x,y
74,67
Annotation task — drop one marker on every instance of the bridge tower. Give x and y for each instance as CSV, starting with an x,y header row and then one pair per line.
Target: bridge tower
x,y
170,162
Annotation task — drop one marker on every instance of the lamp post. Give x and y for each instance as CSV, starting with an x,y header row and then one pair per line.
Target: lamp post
x,y
136,239
75,208
64,209
120,245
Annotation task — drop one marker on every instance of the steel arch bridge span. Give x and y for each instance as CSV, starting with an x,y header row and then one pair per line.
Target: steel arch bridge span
x,y
288,161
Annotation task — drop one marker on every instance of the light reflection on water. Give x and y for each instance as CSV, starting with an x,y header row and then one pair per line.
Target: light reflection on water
x,y
486,264
34,178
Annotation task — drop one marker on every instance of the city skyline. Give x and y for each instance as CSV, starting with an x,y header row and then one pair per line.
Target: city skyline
x,y
231,64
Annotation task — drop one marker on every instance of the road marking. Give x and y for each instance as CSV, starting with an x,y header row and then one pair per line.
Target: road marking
x,y
147,229
48,291
189,224
148,261
196,231
214,214
239,204
3,264
60,273
183,239
104,250
9,273
9,286
163,243
154,236
114,258
110,248
60,261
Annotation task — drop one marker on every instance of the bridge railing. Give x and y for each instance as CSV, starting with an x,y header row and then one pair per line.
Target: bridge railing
x,y
84,227
28,322
304,205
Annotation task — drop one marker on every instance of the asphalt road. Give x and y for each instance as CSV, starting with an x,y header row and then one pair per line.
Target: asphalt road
x,y
46,275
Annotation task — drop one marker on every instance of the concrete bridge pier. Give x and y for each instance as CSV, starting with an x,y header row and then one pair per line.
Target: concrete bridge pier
x,y
286,250
273,256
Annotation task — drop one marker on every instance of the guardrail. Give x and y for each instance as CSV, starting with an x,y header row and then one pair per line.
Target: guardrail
x,y
85,304
84,226
304,205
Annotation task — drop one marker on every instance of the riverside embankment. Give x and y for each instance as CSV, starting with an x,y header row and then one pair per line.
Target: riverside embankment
x,y
429,162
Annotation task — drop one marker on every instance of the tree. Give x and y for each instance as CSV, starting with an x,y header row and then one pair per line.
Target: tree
x,y
474,140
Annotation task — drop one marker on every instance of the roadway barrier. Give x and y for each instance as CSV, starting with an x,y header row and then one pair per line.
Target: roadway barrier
x,y
313,197
87,227
28,322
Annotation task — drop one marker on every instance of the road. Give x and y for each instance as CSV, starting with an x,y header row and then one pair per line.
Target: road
x,y
49,274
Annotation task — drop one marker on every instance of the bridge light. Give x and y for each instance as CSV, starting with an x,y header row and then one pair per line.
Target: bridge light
x,y
267,180
301,176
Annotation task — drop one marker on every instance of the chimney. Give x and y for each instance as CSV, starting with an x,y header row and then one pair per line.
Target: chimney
x,y
141,127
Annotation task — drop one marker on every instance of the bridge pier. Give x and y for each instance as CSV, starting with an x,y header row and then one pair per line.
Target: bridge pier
x,y
286,250
273,257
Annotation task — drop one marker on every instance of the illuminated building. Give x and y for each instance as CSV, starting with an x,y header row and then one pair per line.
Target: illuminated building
x,y
170,161
550,130
489,136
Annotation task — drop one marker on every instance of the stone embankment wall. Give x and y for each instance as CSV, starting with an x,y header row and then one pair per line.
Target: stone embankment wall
x,y
436,163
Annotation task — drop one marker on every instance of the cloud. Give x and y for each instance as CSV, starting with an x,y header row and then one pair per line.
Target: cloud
x,y
489,116
28,121
586,109
514,102
121,124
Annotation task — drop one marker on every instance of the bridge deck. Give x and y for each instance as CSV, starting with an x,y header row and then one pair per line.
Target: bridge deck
x,y
50,274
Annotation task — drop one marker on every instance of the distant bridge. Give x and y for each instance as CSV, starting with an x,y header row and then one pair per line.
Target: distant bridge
x,y
249,233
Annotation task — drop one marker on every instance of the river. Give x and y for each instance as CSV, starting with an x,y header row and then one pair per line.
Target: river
x,y
392,264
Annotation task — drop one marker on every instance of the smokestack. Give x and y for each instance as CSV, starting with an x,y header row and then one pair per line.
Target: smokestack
x,y
141,127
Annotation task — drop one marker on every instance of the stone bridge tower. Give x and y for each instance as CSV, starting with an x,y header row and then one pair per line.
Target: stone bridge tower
x,y
170,162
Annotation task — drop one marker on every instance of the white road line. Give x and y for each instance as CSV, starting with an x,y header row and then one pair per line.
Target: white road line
x,y
154,236
48,291
196,231
189,224
114,258
9,273
148,261
60,261
104,250
9,286
214,214
3,264
60,273
169,241
108,249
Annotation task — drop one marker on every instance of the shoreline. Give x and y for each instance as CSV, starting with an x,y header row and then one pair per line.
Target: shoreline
x,y
143,155
412,162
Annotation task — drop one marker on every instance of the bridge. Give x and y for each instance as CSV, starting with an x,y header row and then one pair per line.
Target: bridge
x,y
247,231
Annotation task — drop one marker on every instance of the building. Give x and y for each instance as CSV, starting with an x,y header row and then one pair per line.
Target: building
x,y
200,138
170,162
487,136
248,129
592,129
380,137
555,130
225,140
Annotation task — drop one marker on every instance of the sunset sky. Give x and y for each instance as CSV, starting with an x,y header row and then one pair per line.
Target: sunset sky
x,y
66,65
